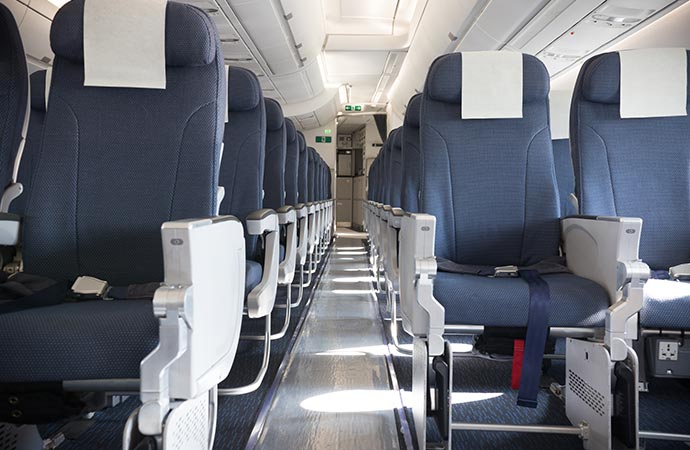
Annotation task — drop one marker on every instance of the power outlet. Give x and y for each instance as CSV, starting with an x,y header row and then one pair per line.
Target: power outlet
x,y
668,350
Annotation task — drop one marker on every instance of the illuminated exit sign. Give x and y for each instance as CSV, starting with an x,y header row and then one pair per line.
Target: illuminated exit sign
x,y
324,139
350,108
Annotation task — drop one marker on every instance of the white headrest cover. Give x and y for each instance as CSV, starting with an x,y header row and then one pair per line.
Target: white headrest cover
x,y
653,83
559,102
491,85
124,43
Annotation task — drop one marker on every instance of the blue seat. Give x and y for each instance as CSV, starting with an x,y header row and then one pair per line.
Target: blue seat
x,y
14,91
303,170
394,176
291,164
276,148
636,167
565,177
82,217
384,154
409,200
311,175
33,138
491,186
242,167
253,274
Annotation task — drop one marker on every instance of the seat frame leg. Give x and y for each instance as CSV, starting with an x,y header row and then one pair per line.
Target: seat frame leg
x,y
254,385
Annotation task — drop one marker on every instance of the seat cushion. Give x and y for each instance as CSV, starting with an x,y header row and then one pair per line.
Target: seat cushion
x,y
253,275
76,341
504,302
666,305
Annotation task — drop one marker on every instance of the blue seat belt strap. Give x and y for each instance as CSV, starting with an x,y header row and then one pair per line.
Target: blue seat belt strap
x,y
535,341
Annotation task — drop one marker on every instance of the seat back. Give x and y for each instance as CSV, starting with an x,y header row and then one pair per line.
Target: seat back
x,y
559,102
635,167
303,174
489,182
14,91
311,175
276,148
409,197
33,138
291,163
242,167
395,169
371,180
384,189
108,171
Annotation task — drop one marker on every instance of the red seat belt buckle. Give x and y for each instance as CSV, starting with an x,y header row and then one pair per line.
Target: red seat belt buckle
x,y
518,352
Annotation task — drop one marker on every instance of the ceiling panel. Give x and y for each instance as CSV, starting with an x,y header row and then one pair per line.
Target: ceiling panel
x,y
355,63
367,9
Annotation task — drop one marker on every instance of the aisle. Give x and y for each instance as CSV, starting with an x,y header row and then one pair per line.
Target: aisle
x,y
335,392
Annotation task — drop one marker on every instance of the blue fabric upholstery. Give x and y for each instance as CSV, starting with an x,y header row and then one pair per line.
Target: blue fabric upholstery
x,y
276,148
291,164
14,89
631,167
311,175
666,305
77,341
34,135
83,217
190,36
394,178
473,169
303,170
564,175
474,300
409,198
384,188
242,168
371,180
253,274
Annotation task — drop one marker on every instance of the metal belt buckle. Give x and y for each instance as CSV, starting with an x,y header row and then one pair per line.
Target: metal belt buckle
x,y
680,272
506,271
89,288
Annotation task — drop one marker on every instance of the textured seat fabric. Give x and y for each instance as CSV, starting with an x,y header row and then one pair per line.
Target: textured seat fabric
x,y
14,85
635,168
33,138
372,179
254,272
77,341
83,217
666,305
384,188
564,175
276,148
395,169
409,199
311,175
303,170
504,302
291,164
491,185
242,167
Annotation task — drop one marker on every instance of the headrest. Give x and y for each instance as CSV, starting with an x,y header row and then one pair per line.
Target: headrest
x,y
302,141
38,90
244,90
274,115
190,36
396,139
291,132
444,81
413,111
600,78
559,103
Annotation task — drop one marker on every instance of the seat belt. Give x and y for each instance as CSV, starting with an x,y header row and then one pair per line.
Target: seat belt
x,y
535,341
538,315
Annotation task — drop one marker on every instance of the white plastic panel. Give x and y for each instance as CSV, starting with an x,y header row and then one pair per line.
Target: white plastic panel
x,y
35,30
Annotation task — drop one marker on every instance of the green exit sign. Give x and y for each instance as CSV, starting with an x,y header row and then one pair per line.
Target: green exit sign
x,y
324,139
350,108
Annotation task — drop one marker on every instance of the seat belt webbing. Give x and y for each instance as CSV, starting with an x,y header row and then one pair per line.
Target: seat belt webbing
x,y
537,332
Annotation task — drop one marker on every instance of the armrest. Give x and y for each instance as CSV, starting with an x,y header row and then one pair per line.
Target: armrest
x,y
286,215
220,197
286,269
421,314
605,250
262,221
395,216
10,225
301,210
261,299
199,309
